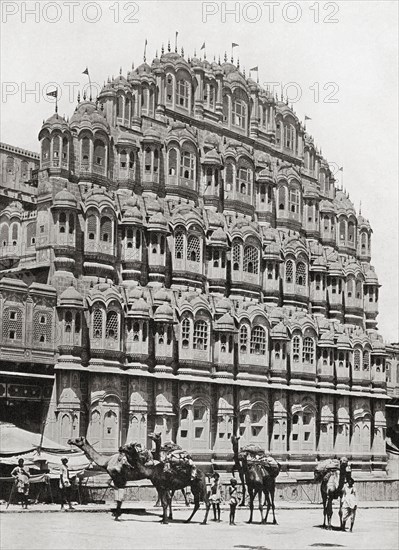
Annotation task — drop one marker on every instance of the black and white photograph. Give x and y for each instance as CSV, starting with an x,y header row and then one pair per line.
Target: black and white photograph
x,y
199,291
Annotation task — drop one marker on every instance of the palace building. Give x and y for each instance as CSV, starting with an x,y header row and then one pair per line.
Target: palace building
x,y
183,261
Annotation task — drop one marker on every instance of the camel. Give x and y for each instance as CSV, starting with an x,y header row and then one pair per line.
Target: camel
x,y
258,479
116,465
332,483
169,479
157,454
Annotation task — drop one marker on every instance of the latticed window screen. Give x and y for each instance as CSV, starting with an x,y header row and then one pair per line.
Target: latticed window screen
x,y
251,261
308,350
193,249
236,256
356,359
200,339
301,274
12,324
14,233
229,176
185,332
243,339
105,229
289,271
366,360
258,341
179,245
97,323
42,327
111,328
296,348
77,322
31,233
91,226
281,198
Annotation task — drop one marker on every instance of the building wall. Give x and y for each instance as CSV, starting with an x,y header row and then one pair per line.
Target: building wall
x,y
199,272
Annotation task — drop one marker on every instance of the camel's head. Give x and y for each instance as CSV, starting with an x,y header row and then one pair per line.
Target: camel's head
x,y
131,450
155,436
78,441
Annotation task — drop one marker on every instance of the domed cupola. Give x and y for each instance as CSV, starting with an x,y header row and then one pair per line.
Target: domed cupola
x,y
65,200
70,298
56,145
164,314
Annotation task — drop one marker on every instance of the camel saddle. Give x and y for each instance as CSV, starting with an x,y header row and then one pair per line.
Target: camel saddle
x,y
326,466
256,455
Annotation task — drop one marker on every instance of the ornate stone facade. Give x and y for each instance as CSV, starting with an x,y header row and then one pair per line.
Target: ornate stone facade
x,y
208,274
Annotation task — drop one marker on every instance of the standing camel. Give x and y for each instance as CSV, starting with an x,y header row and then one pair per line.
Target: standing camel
x,y
166,480
116,465
158,455
332,483
259,479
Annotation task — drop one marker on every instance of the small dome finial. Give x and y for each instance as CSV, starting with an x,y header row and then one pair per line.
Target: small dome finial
x,y
162,49
168,45
79,96
225,57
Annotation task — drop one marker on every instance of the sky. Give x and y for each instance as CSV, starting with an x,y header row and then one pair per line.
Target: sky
x,y
336,61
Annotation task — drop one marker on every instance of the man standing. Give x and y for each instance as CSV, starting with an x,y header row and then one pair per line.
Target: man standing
x,y
65,484
22,476
349,503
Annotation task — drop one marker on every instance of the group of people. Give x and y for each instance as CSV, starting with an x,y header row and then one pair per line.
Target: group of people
x,y
22,481
216,498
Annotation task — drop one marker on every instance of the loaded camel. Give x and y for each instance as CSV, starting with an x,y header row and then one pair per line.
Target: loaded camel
x,y
158,453
116,465
260,479
332,475
165,480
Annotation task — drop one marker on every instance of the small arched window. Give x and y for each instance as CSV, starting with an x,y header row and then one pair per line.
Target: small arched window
x,y
356,359
366,360
106,229
131,160
244,177
45,153
68,321
71,224
85,150
62,222
301,274
193,249
296,348
92,226
243,339
99,153
236,256
183,93
187,165
282,194
111,329
123,159
294,201
251,259
179,245
308,350
289,271
172,162
239,110
200,338
97,323
229,176
185,333
258,341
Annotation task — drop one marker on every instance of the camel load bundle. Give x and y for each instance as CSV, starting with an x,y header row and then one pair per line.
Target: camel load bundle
x,y
255,454
326,466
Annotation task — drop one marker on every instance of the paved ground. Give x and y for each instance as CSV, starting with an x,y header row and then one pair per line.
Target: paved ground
x,y
375,528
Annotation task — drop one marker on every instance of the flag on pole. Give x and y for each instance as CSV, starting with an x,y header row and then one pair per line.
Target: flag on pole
x,y
234,45
86,71
53,94
341,169
255,68
307,117
203,46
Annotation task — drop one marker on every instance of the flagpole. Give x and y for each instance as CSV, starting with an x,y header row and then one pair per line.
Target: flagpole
x,y
56,102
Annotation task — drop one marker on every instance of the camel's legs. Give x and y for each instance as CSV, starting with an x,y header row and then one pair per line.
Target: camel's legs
x,y
271,502
185,497
260,499
329,511
166,503
196,506
324,497
251,503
